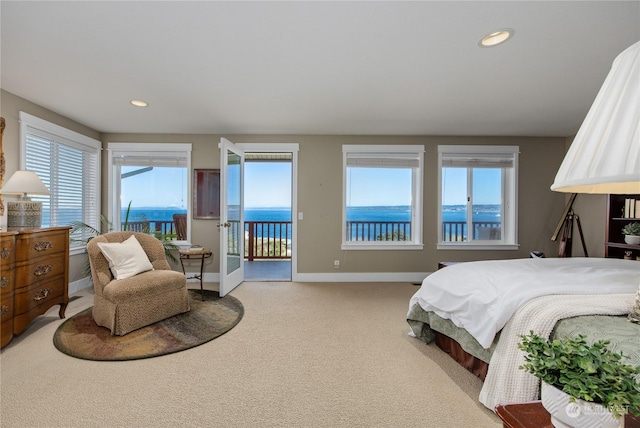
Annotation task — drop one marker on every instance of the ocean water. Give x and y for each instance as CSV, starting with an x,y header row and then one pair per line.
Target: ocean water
x,y
392,214
450,213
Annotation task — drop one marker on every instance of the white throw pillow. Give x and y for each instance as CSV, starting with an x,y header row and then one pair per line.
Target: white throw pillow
x,y
126,259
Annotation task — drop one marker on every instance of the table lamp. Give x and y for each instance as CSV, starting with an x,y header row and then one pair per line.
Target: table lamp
x,y
24,213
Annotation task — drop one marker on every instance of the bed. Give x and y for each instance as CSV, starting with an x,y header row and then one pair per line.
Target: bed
x,y
475,311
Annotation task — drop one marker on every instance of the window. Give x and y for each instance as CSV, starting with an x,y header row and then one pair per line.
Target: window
x,y
382,206
68,163
478,197
148,184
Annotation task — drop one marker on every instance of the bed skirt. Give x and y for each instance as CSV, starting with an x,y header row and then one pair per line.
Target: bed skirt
x,y
466,360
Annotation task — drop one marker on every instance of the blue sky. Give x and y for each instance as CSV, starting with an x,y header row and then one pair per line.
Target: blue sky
x,y
486,186
379,187
160,187
269,185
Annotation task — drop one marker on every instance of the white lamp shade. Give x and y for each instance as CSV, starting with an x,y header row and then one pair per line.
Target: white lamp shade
x,y
605,154
24,182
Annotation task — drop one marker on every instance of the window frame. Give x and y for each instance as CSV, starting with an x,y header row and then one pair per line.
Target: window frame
x,y
509,183
63,137
160,151
377,152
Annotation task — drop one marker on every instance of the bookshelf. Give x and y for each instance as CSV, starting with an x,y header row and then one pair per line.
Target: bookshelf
x,y
614,245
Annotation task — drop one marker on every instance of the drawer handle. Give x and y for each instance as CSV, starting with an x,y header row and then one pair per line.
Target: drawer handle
x,y
42,270
41,294
5,253
4,281
3,310
43,246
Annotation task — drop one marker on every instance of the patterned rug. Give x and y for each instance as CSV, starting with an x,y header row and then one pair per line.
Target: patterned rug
x,y
81,337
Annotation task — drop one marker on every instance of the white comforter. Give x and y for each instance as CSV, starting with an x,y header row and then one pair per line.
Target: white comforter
x,y
481,296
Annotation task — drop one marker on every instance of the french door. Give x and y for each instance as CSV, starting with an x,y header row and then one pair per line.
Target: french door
x,y
231,224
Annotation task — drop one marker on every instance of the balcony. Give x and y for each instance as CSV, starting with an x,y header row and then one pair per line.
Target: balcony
x,y
166,228
456,231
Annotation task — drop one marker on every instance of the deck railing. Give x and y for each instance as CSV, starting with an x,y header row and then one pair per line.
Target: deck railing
x,y
378,230
456,231
165,228
272,239
267,240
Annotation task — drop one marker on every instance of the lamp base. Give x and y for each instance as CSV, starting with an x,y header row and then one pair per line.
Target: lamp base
x,y
26,214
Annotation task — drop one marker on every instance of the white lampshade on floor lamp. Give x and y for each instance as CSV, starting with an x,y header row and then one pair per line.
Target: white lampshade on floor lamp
x,y
24,213
604,157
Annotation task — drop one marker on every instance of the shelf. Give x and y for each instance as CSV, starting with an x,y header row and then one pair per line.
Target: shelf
x,y
623,245
614,239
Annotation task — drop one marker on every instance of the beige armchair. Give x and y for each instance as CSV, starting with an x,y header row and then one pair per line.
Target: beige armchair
x,y
124,305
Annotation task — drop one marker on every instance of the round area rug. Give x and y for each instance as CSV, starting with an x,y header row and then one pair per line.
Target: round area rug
x,y
81,337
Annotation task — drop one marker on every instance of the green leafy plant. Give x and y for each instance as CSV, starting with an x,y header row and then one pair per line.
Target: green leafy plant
x,y
631,229
590,372
82,232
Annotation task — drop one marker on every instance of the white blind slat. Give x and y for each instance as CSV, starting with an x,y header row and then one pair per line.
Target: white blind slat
x,y
70,170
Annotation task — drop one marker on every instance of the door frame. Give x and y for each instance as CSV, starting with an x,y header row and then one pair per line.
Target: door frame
x,y
292,148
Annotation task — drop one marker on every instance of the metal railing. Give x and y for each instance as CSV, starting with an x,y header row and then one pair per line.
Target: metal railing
x,y
378,230
165,228
267,240
456,231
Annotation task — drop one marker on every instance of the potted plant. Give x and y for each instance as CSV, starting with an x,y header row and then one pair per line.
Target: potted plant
x,y
82,232
631,232
582,381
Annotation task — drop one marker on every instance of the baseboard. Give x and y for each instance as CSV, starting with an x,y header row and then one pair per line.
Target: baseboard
x,y
80,284
413,277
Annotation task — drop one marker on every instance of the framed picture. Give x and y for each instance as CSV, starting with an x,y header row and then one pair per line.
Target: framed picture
x,y
206,194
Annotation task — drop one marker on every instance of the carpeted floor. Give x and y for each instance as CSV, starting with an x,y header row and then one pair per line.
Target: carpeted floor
x,y
304,355
81,337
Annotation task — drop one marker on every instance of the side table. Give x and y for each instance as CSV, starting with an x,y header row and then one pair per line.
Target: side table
x,y
442,265
533,415
191,254
524,415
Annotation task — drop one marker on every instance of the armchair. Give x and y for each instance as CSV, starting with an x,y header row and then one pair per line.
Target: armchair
x,y
124,305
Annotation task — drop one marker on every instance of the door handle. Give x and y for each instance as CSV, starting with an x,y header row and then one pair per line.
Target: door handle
x,y
227,224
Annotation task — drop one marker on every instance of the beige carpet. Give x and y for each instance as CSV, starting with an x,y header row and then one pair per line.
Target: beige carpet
x,y
304,355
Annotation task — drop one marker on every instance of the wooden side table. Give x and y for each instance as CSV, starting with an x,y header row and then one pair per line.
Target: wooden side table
x,y
524,415
533,415
442,265
201,255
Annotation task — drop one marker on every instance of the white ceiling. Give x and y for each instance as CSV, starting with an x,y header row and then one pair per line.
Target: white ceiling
x,y
383,68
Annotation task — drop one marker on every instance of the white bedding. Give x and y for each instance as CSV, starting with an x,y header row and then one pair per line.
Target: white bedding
x,y
481,296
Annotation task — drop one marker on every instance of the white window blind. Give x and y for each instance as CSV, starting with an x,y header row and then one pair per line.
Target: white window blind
x,y
69,165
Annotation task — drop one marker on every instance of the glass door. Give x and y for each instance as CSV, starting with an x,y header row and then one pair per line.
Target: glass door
x,y
231,224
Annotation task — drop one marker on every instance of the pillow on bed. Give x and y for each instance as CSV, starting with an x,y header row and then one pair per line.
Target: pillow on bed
x,y
125,259
634,315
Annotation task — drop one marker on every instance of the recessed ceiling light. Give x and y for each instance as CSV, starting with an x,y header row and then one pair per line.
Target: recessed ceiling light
x,y
496,38
139,103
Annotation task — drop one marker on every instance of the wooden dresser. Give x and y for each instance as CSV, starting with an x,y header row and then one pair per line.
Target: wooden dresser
x,y
39,275
7,287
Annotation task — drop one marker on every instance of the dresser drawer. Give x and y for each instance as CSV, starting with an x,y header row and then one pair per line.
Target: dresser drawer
x,y
6,280
41,269
36,245
7,250
6,308
38,295
6,318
